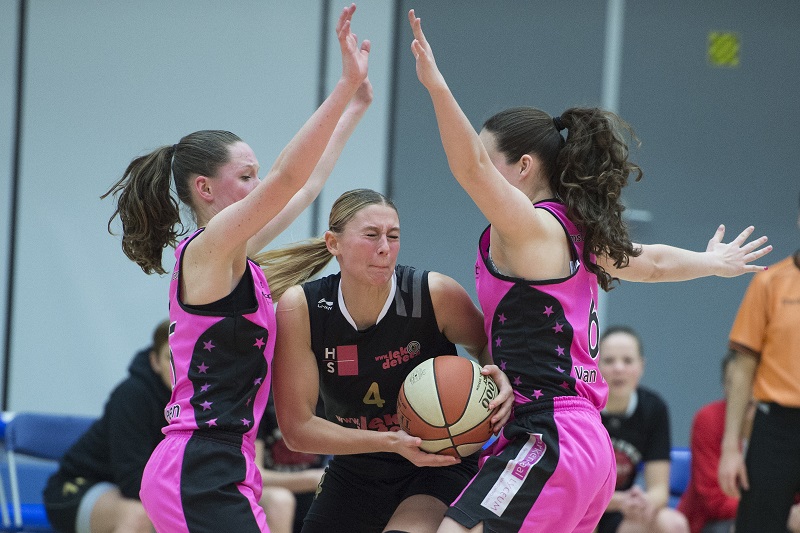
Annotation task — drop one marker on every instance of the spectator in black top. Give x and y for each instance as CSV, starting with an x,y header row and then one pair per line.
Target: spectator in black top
x,y
96,487
638,422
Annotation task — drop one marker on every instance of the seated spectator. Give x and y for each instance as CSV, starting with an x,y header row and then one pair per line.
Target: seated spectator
x,y
705,505
96,487
637,421
290,478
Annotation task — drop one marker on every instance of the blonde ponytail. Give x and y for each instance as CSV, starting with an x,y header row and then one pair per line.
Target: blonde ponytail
x,y
293,264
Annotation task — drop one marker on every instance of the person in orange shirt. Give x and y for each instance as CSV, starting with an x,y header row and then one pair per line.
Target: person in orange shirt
x,y
766,338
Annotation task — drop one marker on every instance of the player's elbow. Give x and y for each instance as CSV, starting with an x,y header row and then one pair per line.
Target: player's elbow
x,y
296,440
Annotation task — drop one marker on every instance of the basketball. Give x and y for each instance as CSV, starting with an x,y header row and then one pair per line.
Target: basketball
x,y
445,402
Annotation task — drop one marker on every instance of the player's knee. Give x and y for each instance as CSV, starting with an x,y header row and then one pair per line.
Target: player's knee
x,y
669,520
134,518
278,497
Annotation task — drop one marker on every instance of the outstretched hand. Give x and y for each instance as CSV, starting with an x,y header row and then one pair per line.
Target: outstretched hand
x,y
427,71
355,58
734,258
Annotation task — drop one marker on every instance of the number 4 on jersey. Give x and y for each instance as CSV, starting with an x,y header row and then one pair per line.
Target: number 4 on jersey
x,y
373,396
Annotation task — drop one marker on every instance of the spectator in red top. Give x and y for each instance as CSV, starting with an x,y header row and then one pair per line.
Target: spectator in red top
x,y
706,506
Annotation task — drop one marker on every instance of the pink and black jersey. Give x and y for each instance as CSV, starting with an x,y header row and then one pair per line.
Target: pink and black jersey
x,y
543,334
221,359
203,476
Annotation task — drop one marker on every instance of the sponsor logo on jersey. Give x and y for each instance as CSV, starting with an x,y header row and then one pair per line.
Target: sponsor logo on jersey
x,y
587,375
627,457
267,295
579,236
324,304
386,422
172,411
514,474
341,360
402,355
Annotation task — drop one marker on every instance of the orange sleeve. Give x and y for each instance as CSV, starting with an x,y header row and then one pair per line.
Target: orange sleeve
x,y
748,331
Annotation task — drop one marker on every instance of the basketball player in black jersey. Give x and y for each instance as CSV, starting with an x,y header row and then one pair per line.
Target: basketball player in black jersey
x,y
351,338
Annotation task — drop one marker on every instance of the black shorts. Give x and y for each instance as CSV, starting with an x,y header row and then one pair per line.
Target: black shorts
x,y
378,483
303,504
773,469
62,498
610,522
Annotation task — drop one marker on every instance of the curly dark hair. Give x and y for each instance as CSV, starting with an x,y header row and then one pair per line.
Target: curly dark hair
x,y
587,171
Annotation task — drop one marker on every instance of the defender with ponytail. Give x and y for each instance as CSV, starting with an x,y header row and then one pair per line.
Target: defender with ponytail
x,y
202,475
556,235
149,214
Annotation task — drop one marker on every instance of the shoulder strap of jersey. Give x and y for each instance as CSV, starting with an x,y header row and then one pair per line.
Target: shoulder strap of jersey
x,y
412,287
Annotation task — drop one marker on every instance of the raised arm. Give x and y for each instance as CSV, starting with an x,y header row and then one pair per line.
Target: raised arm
x,y
296,391
236,224
505,206
309,192
659,262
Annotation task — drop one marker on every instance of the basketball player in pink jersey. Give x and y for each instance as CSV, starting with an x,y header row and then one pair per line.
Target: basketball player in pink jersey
x,y
555,234
202,476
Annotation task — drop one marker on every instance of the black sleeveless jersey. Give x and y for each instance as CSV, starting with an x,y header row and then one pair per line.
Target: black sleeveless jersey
x,y
360,372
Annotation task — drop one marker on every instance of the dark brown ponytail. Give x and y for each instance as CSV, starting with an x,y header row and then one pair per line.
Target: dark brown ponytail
x,y
149,213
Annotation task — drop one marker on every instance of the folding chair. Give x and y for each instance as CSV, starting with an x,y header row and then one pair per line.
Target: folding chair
x,y
42,436
4,516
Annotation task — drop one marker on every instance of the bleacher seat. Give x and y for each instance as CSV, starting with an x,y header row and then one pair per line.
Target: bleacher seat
x,y
34,442
5,517
680,468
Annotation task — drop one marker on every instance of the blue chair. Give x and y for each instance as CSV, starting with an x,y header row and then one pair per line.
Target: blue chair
x,y
34,443
5,517
680,468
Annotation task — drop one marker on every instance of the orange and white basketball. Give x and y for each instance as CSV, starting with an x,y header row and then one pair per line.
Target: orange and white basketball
x,y
445,402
